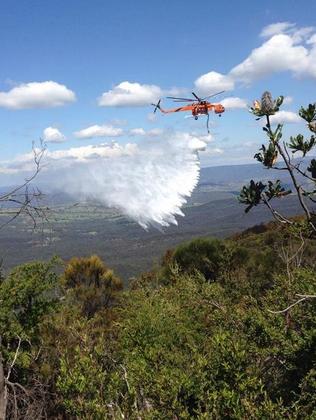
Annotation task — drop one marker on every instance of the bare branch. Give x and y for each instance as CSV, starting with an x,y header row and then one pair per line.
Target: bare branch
x,y
306,296
37,157
296,167
278,216
25,200
14,359
16,384
302,299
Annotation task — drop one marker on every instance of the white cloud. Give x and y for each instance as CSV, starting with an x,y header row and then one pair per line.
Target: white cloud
x,y
287,100
276,28
234,103
155,132
99,131
213,82
86,153
286,49
176,91
276,55
302,34
137,132
130,94
312,39
282,117
37,95
53,135
298,34
149,133
65,157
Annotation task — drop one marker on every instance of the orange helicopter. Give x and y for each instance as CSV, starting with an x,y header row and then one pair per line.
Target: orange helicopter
x,y
199,106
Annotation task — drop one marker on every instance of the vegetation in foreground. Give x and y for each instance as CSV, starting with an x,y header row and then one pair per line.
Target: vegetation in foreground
x,y
197,337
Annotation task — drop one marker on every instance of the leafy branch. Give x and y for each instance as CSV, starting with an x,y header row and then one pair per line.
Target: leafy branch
x,y
259,193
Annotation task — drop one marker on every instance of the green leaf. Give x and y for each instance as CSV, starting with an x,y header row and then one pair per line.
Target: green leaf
x,y
251,194
298,144
309,113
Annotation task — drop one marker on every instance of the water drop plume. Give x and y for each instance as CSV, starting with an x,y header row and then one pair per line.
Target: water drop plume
x,y
148,182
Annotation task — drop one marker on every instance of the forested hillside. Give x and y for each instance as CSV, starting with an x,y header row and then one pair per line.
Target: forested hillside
x,y
196,337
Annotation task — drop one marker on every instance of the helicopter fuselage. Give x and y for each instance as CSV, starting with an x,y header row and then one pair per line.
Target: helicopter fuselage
x,y
203,108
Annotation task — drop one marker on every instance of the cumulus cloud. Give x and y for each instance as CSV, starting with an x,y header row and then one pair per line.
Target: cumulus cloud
x,y
135,94
311,40
282,117
276,28
234,103
213,82
99,131
53,135
90,152
278,54
130,94
287,48
36,95
64,158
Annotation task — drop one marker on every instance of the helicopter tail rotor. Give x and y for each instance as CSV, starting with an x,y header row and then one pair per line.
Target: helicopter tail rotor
x,y
157,106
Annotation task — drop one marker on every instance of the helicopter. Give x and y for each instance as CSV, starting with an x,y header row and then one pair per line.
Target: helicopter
x,y
198,106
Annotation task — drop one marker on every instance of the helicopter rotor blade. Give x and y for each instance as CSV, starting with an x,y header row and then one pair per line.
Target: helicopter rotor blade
x,y
214,94
180,99
199,99
184,100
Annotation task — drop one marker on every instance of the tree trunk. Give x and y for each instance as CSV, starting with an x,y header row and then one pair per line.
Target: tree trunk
x,y
3,390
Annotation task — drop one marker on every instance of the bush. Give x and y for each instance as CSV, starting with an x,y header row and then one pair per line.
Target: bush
x,y
204,255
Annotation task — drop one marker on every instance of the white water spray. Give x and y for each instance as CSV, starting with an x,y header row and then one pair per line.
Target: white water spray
x,y
148,182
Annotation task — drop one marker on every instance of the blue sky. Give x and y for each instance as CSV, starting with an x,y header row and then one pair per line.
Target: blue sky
x,y
86,49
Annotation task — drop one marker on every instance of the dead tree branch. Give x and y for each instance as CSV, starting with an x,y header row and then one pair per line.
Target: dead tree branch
x,y
25,199
302,299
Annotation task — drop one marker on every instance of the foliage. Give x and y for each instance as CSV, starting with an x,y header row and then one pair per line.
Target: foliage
x,y
90,283
251,194
203,255
268,156
28,293
202,369
309,113
194,338
255,193
312,168
298,144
